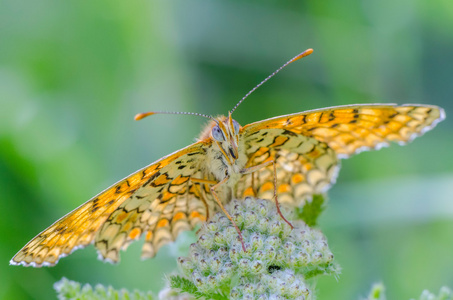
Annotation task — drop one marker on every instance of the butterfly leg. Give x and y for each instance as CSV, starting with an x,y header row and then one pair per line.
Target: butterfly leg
x,y
201,192
276,198
263,165
224,210
255,192
213,187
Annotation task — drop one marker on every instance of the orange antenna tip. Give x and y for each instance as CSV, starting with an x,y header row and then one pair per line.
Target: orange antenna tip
x,y
303,54
143,115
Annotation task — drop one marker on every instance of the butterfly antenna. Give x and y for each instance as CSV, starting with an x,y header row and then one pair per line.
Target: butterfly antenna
x,y
146,114
297,57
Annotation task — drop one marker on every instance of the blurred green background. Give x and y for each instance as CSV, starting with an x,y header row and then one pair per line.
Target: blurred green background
x,y
74,73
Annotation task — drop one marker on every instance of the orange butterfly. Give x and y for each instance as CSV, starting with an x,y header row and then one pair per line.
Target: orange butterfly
x,y
299,153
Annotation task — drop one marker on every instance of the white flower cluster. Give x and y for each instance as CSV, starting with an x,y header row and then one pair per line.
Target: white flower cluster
x,y
277,260
70,290
378,293
445,293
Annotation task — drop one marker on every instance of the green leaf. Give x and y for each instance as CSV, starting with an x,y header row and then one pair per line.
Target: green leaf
x,y
187,286
310,212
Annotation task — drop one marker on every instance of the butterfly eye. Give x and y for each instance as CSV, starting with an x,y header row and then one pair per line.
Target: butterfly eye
x,y
217,134
236,127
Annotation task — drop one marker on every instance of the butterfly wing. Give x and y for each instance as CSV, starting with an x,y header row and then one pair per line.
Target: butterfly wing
x,y
159,195
351,129
306,146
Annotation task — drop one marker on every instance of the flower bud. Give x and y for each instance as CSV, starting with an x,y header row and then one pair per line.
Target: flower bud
x,y
206,241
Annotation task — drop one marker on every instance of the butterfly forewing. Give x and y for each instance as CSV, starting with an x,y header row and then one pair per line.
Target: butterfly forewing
x,y
119,207
354,128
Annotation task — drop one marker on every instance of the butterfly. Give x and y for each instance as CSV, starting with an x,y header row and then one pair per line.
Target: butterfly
x,y
294,156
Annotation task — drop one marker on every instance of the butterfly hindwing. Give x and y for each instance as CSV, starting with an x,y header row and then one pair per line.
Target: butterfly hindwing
x,y
304,166
160,209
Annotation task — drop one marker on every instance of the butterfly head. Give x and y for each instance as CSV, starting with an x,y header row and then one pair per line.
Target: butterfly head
x,y
225,134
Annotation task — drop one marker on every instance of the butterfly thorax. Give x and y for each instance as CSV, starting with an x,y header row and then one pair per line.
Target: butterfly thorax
x,y
226,157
